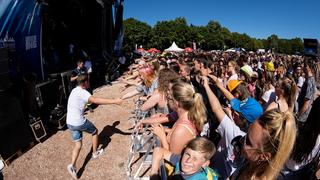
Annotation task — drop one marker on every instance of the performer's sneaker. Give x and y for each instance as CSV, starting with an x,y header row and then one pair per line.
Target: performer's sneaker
x,y
97,153
72,170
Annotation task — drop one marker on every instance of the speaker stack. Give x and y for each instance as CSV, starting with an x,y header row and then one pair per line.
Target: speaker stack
x,y
15,135
311,47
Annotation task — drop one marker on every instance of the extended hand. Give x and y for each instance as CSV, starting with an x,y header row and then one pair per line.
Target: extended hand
x,y
117,101
158,130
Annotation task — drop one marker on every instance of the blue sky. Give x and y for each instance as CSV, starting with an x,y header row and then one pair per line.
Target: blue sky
x,y
257,18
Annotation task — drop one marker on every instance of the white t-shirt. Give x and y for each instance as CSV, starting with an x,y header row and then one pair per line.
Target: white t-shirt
x,y
76,105
269,97
300,81
233,77
223,159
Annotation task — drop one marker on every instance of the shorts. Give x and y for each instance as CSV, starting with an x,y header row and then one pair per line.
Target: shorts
x,y
76,131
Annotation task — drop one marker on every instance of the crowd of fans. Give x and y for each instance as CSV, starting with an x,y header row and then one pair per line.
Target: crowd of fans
x,y
231,115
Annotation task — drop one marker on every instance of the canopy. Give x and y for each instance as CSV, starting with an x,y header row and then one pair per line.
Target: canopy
x,y
174,48
235,50
153,50
140,50
188,49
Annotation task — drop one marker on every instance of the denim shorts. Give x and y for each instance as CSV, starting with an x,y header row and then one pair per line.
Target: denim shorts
x,y
76,131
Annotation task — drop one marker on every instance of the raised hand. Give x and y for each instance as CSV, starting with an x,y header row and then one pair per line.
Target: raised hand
x,y
158,130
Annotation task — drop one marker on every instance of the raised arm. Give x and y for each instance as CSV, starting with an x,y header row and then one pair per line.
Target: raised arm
x,y
225,92
214,102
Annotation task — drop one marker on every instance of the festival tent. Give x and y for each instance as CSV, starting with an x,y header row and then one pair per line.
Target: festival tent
x,y
174,48
231,50
235,50
188,49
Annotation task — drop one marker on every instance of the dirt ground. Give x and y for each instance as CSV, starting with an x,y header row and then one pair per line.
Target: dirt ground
x,y
49,159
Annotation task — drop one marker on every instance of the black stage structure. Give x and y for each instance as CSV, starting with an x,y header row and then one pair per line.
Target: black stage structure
x,y
36,55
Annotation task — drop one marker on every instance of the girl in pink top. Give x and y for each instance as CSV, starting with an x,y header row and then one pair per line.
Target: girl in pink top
x,y
192,117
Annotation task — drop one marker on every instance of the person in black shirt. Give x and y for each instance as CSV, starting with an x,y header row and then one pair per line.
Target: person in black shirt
x,y
76,72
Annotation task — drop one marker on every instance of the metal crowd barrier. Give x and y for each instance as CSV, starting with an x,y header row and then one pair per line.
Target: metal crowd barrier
x,y
141,148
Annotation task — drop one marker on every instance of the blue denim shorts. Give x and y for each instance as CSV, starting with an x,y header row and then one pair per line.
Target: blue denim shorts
x,y
76,131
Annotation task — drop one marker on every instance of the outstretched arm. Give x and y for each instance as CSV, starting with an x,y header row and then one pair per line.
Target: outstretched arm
x,y
102,101
130,94
151,102
163,118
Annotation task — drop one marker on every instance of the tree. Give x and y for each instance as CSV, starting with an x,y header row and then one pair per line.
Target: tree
x,y
273,42
211,36
257,44
136,32
166,32
296,45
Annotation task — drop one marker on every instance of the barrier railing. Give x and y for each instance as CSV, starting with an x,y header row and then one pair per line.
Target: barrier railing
x,y
142,144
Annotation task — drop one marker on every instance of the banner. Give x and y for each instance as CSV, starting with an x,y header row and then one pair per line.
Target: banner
x,y
118,29
20,31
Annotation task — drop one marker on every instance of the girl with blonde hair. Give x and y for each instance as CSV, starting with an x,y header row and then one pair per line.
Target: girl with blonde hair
x,y
192,117
267,146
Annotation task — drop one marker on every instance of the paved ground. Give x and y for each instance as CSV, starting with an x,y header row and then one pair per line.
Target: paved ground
x,y
48,160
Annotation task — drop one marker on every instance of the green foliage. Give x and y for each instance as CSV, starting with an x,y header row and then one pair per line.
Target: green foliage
x,y
136,32
209,37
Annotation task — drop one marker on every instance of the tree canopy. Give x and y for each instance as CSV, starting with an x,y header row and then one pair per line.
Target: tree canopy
x,y
209,37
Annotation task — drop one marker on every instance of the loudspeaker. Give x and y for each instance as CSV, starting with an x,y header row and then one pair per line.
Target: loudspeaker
x,y
14,131
311,47
37,128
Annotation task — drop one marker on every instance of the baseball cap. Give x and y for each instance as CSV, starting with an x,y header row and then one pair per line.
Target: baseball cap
x,y
247,69
270,66
249,108
233,84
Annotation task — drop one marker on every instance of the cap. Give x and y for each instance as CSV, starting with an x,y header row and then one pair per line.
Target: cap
x,y
270,66
233,84
247,69
249,108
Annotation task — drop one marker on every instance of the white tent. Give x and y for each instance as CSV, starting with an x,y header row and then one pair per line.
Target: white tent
x,y
174,48
231,50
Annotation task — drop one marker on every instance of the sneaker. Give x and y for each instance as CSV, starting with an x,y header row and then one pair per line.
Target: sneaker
x,y
72,171
97,153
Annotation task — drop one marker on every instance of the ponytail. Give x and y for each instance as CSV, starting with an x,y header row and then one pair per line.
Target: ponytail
x,y
191,102
281,129
290,88
197,112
